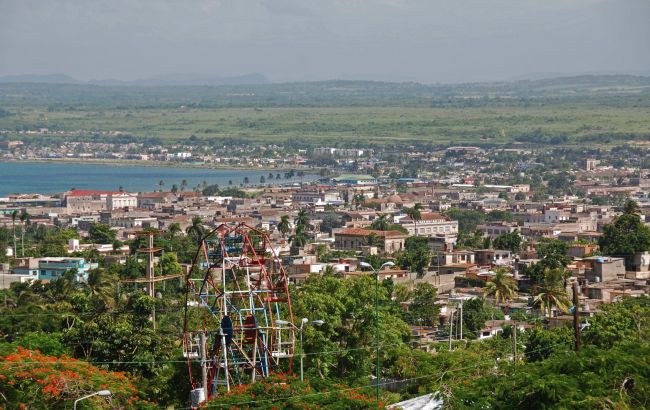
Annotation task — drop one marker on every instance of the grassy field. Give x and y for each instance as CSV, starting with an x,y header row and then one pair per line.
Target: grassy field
x,y
593,109
344,124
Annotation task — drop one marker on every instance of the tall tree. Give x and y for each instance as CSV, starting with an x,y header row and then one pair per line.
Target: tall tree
x,y
14,215
300,237
24,219
302,219
284,226
626,236
415,213
510,241
373,240
101,233
174,229
380,223
196,230
502,287
423,308
551,293
631,207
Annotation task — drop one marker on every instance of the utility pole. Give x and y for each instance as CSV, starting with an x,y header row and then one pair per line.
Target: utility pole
x,y
514,342
576,316
204,364
461,319
451,328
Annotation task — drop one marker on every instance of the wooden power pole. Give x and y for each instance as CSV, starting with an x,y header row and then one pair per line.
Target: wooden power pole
x,y
576,316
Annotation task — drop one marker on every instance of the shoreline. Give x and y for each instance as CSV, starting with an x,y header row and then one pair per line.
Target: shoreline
x,y
153,164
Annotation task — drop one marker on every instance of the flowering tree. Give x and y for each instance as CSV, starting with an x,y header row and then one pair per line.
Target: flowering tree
x,y
288,392
29,379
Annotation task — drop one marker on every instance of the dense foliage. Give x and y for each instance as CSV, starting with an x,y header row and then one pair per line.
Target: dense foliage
x,y
30,379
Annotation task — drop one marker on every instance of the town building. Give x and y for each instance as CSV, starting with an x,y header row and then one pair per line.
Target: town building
x,y
52,268
357,239
430,224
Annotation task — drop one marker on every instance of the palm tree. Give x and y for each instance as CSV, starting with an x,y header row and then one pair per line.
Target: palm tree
x,y
415,213
183,184
501,286
196,229
302,218
24,217
358,200
284,226
246,180
552,292
173,229
373,240
381,223
101,285
14,215
300,238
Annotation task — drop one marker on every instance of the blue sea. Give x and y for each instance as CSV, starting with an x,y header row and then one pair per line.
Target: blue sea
x,y
49,177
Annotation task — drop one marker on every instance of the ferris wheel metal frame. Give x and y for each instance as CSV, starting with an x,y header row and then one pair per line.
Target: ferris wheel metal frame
x,y
238,320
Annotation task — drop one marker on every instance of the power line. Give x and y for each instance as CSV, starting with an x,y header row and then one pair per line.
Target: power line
x,y
368,386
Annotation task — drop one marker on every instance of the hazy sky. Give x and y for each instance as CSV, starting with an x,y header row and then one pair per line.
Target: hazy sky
x,y
287,40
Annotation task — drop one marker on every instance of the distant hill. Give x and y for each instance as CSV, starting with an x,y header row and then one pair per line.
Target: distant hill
x,y
254,90
188,80
155,81
42,79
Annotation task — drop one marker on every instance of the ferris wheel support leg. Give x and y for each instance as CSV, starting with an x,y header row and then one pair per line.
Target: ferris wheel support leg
x,y
254,367
204,365
225,359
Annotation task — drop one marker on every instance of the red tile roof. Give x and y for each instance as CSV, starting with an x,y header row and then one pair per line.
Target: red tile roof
x,y
366,232
91,192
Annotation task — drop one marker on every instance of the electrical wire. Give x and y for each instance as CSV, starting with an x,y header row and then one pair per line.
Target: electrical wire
x,y
366,386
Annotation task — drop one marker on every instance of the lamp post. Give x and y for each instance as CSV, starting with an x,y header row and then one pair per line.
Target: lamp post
x,y
303,322
103,393
367,265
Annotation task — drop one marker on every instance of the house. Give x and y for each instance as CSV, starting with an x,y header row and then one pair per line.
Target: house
x,y
121,201
494,229
349,179
603,269
53,268
430,224
82,200
356,239
492,257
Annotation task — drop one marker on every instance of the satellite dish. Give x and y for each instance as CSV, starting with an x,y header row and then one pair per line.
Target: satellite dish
x,y
226,327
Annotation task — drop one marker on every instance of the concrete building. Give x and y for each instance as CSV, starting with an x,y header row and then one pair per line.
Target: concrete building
x,y
53,268
493,257
494,229
603,269
81,200
430,224
357,239
121,201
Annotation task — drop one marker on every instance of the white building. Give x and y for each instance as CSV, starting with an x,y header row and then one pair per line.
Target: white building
x,y
430,224
121,201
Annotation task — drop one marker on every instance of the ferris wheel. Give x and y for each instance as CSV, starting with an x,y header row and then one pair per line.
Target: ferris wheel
x,y
238,323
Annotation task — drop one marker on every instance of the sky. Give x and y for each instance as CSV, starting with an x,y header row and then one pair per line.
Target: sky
x,y
429,41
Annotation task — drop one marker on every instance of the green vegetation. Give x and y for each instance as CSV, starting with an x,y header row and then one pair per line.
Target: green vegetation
x,y
626,235
595,109
611,371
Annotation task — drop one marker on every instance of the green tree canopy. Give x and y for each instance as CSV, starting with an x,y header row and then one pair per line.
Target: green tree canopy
x,y
101,233
509,241
627,235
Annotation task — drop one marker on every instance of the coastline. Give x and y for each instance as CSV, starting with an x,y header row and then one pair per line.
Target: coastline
x,y
153,164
